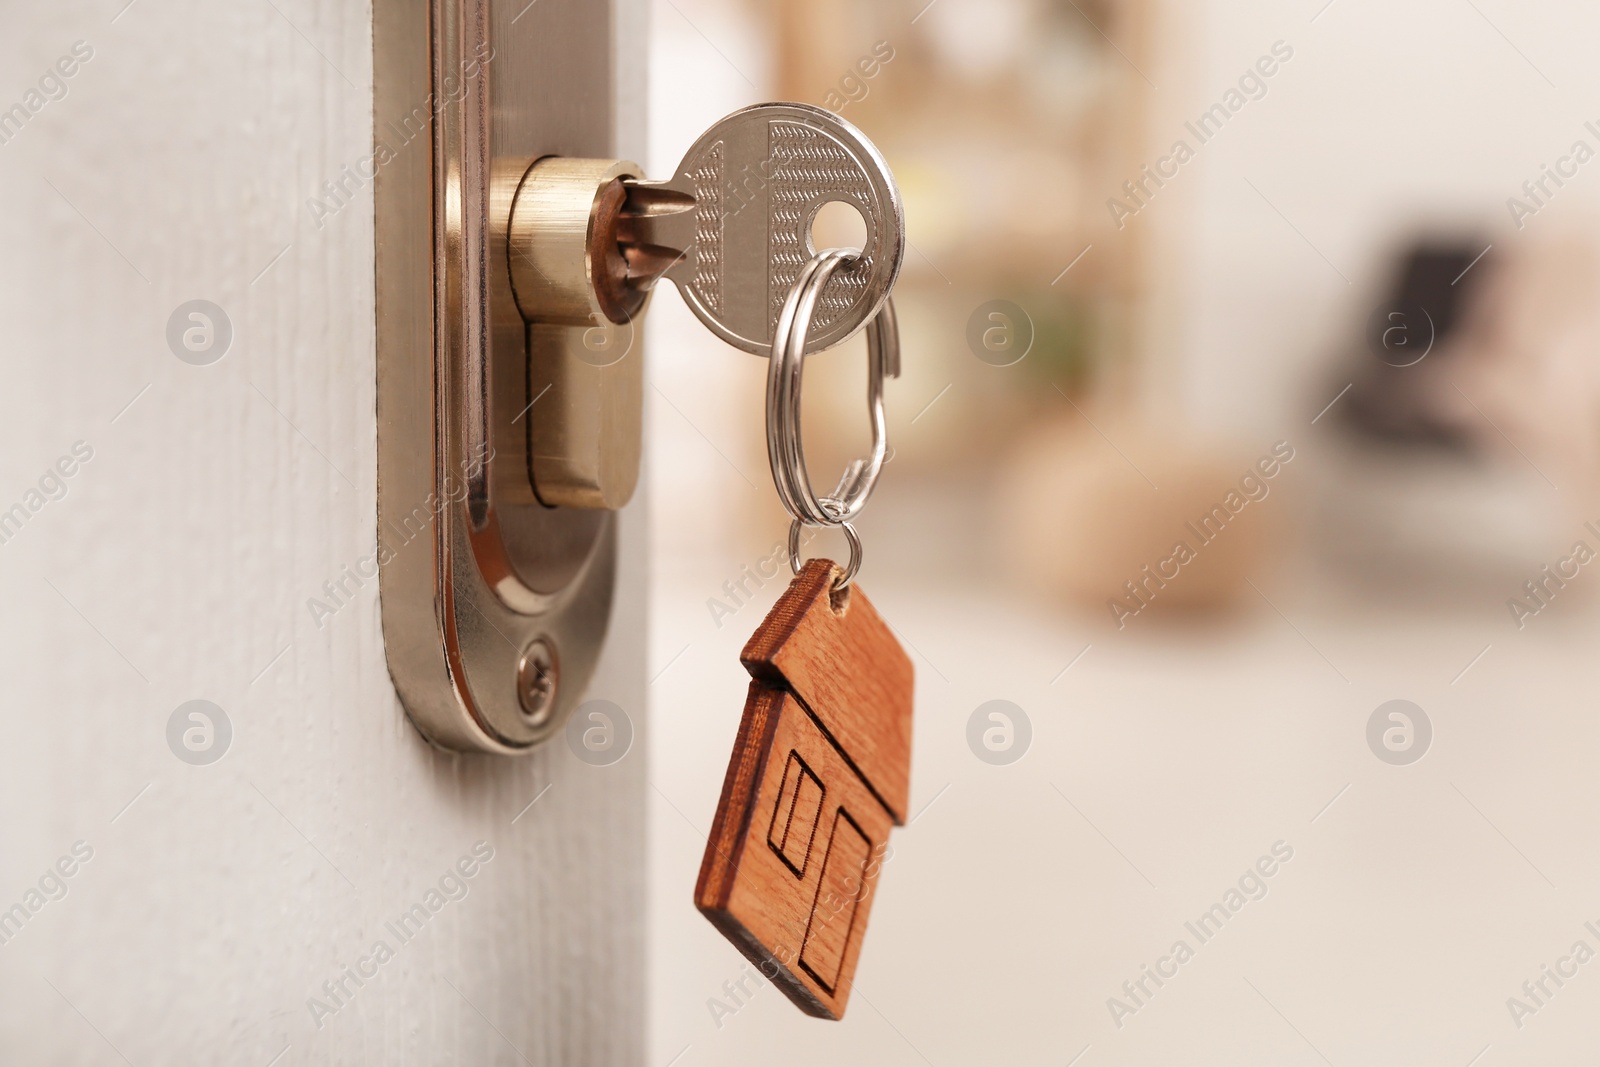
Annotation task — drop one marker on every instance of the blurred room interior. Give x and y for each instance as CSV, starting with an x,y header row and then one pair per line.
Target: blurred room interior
x,y
1340,345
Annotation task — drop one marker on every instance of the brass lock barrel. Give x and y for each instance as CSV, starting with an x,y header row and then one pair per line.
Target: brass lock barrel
x,y
571,282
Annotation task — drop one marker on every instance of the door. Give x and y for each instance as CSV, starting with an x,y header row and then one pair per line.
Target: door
x,y
224,841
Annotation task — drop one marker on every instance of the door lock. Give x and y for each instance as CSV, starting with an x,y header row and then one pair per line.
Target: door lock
x,y
513,267
588,238
566,270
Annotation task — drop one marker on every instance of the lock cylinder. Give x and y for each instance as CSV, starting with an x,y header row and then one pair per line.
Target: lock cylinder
x,y
567,268
580,279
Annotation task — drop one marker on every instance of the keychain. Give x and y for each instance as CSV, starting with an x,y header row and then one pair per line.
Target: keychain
x,y
822,762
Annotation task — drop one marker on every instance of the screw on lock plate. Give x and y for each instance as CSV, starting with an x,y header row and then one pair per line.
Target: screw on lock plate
x,y
537,675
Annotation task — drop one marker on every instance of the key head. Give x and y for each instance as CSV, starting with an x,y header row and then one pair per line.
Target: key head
x,y
758,178
794,855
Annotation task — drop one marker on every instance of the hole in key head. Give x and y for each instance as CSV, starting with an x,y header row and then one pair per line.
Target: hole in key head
x,y
837,224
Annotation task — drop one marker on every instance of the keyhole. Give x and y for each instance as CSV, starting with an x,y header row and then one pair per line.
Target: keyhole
x,y
838,224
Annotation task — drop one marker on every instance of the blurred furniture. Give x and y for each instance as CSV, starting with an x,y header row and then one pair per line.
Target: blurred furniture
x,y
1008,124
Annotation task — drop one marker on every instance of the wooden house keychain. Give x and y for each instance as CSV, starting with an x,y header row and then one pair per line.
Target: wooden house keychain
x,y
821,767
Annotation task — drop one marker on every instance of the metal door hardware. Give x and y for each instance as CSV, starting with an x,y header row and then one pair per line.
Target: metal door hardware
x,y
515,257
567,270
494,603
732,228
755,182
588,238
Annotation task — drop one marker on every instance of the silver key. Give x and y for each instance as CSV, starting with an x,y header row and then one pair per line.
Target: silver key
x,y
735,223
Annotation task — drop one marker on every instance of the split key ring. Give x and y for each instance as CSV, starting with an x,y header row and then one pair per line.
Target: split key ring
x,y
785,450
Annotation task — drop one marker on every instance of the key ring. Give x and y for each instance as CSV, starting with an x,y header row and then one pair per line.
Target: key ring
x,y
785,448
855,552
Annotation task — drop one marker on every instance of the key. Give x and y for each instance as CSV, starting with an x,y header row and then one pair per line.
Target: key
x,y
732,226
820,772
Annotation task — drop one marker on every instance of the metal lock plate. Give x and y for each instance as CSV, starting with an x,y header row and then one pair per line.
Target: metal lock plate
x,y
514,256
495,605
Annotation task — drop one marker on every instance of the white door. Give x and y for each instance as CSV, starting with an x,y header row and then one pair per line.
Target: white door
x,y
189,514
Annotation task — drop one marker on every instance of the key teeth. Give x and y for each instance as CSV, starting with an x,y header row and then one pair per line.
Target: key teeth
x,y
652,199
647,205
647,263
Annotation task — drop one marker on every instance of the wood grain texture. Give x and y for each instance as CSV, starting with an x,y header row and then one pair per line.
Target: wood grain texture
x,y
794,854
180,563
839,657
819,774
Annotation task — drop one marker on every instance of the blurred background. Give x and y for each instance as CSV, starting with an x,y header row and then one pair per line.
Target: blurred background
x,y
1250,386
